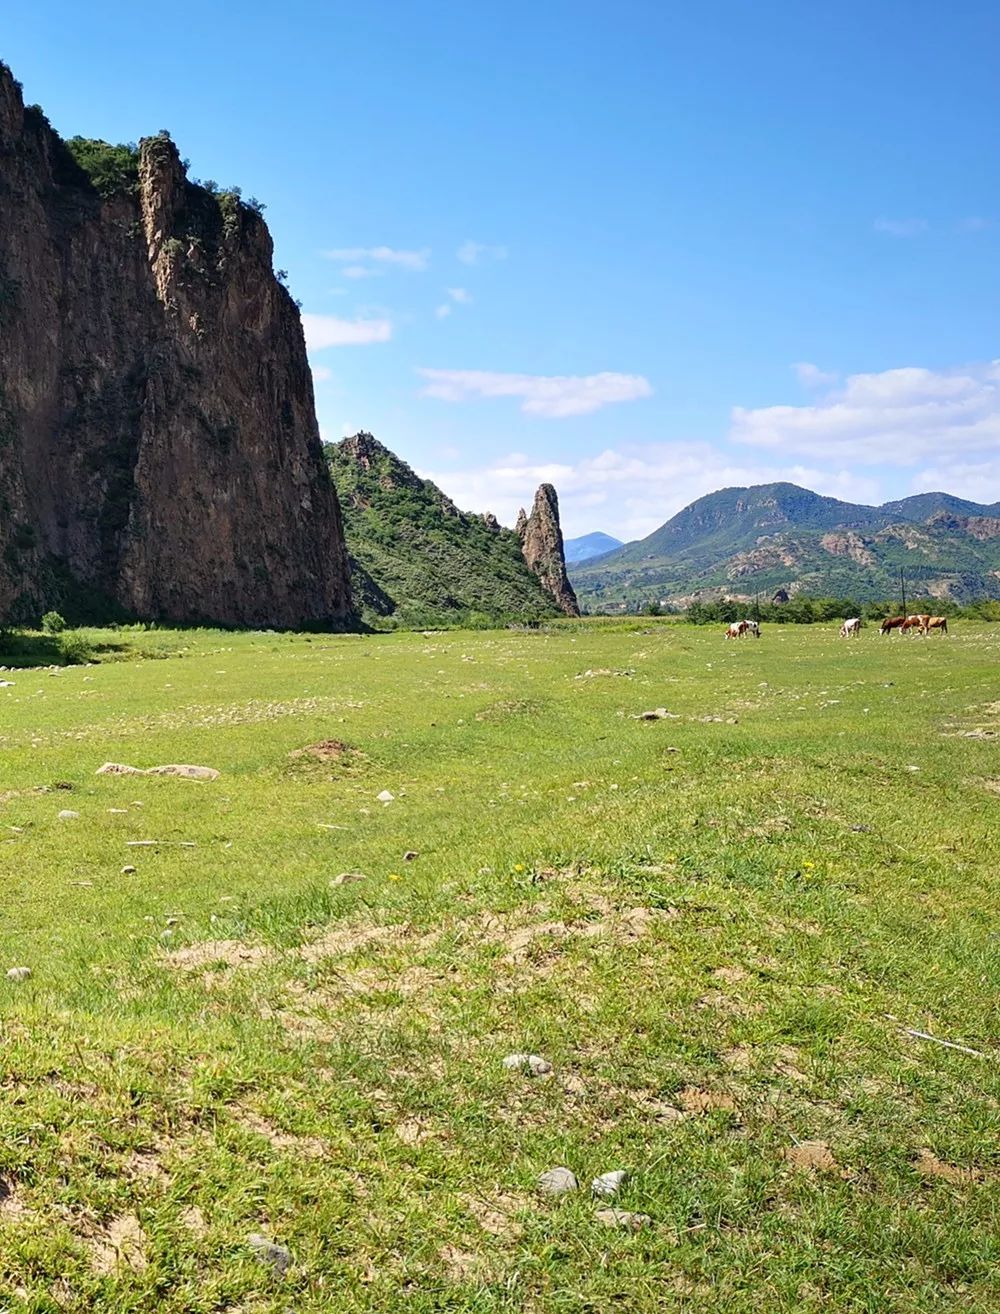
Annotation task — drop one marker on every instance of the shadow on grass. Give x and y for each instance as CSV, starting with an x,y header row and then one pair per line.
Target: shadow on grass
x,y
19,649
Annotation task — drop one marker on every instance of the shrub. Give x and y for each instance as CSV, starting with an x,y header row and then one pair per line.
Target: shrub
x,y
112,170
53,623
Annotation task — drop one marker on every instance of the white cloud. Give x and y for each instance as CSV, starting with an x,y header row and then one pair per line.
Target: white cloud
x,y
474,253
978,481
897,417
811,376
443,311
975,223
330,331
361,271
321,374
553,397
901,227
357,256
631,491
460,294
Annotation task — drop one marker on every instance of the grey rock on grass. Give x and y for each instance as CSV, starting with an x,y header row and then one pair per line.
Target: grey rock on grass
x,y
532,1064
278,1258
609,1184
623,1218
557,1181
18,973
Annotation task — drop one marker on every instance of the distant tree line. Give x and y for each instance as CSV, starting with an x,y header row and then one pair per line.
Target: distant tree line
x,y
804,610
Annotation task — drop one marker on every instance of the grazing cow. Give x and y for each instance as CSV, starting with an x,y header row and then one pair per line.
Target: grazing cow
x,y
851,628
736,630
892,623
752,627
936,623
914,623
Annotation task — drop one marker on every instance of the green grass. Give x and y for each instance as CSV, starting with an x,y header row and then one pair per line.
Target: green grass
x,y
815,869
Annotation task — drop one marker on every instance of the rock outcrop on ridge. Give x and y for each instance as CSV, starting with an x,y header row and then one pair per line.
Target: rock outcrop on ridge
x,y
159,451
542,545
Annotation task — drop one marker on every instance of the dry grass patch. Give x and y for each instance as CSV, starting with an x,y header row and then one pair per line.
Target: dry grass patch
x,y
811,1156
210,953
122,1244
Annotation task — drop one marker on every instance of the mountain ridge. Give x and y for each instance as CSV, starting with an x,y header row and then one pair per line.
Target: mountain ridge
x,y
746,539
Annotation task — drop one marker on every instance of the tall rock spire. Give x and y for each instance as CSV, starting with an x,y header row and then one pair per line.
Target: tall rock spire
x,y
542,545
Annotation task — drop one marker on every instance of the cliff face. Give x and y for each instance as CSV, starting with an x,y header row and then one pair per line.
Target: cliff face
x,y
158,441
416,556
542,545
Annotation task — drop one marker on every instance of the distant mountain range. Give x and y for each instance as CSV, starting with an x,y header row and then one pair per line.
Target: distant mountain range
x,y
741,541
590,545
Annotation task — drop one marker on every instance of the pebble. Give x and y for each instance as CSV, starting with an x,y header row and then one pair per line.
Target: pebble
x,y
532,1064
18,973
609,1184
129,870
348,878
557,1181
410,855
385,796
623,1218
274,1256
68,814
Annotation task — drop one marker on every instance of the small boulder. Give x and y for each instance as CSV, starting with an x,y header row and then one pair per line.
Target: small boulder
x,y
623,1218
68,814
385,796
18,973
557,1181
348,878
277,1258
532,1064
609,1184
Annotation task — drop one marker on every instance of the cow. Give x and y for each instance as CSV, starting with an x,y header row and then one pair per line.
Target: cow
x,y
752,627
736,630
851,628
892,623
917,623
936,623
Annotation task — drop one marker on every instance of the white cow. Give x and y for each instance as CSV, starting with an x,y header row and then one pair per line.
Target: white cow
x,y
851,628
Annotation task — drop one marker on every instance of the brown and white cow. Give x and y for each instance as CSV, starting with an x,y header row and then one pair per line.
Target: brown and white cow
x,y
918,623
936,623
736,630
851,628
892,623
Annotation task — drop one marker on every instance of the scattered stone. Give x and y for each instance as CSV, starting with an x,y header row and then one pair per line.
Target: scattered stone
x,y
532,1064
385,796
609,1184
557,1181
18,973
185,772
6,684
129,870
657,714
410,855
180,770
348,878
68,814
623,1218
277,1258
861,830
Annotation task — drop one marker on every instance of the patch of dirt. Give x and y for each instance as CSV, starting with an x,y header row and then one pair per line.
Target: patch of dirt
x,y
497,1214
506,707
413,1131
122,1244
310,1147
327,750
731,975
341,940
461,1264
233,953
927,1164
145,1165
813,1156
694,1100
194,1220
11,1204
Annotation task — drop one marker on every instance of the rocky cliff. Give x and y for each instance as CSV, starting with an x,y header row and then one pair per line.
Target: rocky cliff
x,y
159,452
415,556
542,545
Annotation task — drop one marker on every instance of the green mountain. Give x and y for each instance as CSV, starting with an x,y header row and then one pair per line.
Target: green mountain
x,y
415,556
742,541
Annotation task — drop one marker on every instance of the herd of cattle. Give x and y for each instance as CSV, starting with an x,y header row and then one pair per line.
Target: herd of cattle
x,y
851,629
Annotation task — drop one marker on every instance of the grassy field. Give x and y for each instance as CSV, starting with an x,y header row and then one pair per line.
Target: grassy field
x,y
719,927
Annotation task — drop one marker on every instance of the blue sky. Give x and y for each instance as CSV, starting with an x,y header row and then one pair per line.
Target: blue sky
x,y
642,249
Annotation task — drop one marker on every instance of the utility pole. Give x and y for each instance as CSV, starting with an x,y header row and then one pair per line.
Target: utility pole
x,y
902,588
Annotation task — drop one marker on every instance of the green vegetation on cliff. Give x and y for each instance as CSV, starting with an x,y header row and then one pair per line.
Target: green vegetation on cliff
x,y
415,556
